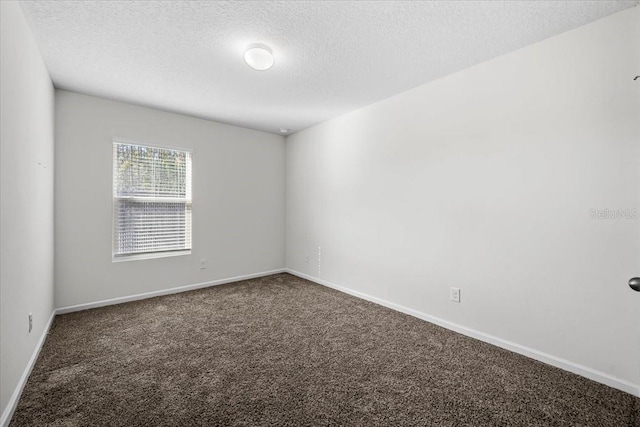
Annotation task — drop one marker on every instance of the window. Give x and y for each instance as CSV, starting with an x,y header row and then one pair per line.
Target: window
x,y
151,201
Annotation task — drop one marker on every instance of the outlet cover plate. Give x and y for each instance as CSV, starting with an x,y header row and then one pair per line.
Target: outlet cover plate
x,y
455,294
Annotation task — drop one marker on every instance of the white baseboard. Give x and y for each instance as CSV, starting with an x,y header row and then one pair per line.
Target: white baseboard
x,y
13,402
549,359
120,300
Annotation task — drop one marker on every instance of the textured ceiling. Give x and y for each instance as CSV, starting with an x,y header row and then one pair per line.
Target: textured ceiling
x,y
330,57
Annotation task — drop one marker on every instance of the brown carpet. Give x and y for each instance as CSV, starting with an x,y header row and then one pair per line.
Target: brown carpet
x,y
281,351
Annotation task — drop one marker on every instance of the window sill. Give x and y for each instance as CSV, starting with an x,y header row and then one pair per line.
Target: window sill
x,y
137,257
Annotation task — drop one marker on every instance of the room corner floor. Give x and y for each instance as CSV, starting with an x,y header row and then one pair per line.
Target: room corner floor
x,y
282,351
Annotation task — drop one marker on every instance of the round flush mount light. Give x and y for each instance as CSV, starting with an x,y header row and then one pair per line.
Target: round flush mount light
x,y
284,130
259,57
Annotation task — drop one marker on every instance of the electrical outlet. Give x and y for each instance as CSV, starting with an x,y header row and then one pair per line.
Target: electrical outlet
x,y
306,259
30,322
203,264
455,294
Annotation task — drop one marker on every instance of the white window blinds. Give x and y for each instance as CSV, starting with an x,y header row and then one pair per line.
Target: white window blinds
x,y
151,199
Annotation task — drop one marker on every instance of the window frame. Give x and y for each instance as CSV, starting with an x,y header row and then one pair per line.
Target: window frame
x,y
146,255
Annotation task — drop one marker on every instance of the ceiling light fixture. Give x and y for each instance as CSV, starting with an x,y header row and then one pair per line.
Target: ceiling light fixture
x,y
284,130
259,57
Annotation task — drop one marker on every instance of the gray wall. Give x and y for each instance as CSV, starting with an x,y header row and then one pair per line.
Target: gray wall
x,y
238,200
484,180
26,198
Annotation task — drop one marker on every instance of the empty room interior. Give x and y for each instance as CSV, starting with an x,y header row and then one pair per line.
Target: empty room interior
x,y
320,213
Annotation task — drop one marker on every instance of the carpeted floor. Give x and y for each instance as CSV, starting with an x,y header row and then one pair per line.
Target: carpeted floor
x,y
281,351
